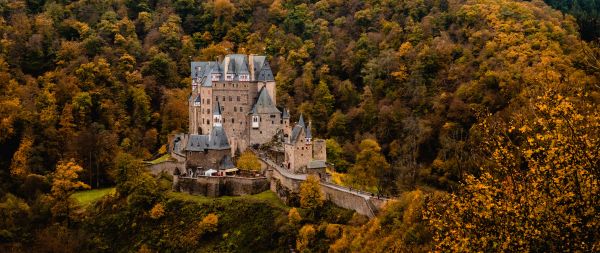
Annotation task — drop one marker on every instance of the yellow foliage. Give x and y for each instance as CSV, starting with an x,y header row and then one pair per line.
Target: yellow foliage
x,y
248,161
162,150
18,165
294,217
539,193
157,211
310,193
64,184
209,223
305,237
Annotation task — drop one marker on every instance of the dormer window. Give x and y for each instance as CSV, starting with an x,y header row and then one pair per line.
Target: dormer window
x,y
229,77
255,120
244,77
216,77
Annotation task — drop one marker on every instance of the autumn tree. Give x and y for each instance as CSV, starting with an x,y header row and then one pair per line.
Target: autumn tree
x,y
248,161
18,166
540,189
64,183
310,193
370,167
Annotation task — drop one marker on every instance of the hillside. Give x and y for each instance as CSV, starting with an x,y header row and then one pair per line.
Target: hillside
x,y
437,102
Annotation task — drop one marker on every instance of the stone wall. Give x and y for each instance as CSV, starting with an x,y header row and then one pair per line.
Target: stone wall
x,y
287,185
207,160
319,150
348,200
220,186
167,166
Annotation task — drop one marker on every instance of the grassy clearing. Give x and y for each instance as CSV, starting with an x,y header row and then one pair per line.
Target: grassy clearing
x,y
266,196
163,158
87,197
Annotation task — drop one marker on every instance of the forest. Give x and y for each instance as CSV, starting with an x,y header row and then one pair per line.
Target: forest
x,y
480,116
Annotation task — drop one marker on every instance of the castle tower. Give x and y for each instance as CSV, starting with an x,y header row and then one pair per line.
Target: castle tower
x,y
308,137
217,117
287,130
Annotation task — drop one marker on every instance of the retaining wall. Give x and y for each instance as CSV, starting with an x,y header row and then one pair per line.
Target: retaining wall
x,y
220,186
287,185
166,166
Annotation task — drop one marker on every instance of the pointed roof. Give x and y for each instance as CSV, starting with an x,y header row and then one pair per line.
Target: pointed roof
x,y
231,66
265,73
218,138
264,103
226,163
215,67
308,132
301,121
197,100
217,109
285,114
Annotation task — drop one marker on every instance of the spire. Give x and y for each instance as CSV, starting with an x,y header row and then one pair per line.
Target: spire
x,y
285,114
301,121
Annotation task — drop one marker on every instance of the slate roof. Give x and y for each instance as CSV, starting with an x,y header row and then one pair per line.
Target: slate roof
x,y
226,163
217,109
285,114
298,128
264,104
217,140
265,73
237,64
295,133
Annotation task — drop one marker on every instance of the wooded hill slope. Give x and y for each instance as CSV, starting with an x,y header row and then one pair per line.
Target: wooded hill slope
x,y
472,91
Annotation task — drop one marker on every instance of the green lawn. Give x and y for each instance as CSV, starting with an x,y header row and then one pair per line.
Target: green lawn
x,y
266,196
87,197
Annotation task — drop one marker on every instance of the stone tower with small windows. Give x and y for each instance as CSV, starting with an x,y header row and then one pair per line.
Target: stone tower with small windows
x,y
239,92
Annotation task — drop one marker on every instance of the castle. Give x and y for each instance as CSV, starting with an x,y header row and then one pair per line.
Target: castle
x,y
232,107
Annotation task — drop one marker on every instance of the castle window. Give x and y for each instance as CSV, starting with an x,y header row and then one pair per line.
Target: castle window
x,y
223,96
230,99
203,101
223,108
234,109
241,109
208,101
207,111
272,122
232,120
272,116
207,121
217,99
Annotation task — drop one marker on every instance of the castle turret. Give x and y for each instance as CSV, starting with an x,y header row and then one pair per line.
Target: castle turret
x,y
308,136
217,117
255,119
285,118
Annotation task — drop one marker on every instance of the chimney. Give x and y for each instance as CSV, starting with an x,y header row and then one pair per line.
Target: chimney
x,y
251,66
